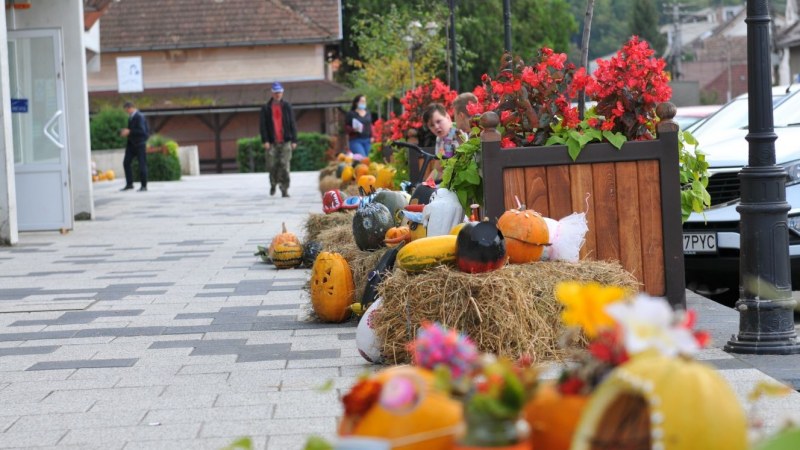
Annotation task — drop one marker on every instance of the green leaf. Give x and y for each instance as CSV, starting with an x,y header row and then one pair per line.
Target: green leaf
x,y
689,138
574,149
555,139
317,443
615,139
244,443
462,197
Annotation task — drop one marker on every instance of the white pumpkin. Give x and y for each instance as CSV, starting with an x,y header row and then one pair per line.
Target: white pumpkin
x,y
442,213
369,347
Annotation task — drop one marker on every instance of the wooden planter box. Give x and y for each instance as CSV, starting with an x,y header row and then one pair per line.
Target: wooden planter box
x,y
633,206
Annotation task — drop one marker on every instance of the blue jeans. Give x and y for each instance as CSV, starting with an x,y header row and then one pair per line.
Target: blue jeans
x,y
360,145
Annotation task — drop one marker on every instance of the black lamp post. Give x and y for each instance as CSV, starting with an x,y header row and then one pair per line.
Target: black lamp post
x,y
766,324
452,5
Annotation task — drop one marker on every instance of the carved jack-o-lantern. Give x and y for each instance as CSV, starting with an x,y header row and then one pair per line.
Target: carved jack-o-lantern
x,y
331,287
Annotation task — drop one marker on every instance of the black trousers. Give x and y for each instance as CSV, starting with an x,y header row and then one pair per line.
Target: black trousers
x,y
139,152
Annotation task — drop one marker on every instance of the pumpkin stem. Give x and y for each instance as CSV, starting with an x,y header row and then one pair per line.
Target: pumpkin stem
x,y
283,224
520,205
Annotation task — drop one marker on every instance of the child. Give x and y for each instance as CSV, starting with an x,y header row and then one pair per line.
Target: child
x,y
448,138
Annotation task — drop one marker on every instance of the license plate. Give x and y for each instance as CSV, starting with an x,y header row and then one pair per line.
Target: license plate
x,y
695,243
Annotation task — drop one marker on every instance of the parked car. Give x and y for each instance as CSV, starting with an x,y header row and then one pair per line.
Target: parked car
x,y
689,115
711,239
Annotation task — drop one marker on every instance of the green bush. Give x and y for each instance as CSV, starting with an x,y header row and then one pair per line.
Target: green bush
x,y
310,151
309,154
105,126
250,152
160,167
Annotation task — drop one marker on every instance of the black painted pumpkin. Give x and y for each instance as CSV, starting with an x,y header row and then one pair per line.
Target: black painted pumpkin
x,y
311,250
393,200
385,265
340,168
370,224
480,247
422,195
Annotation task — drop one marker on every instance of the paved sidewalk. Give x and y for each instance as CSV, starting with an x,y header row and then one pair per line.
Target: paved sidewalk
x,y
154,326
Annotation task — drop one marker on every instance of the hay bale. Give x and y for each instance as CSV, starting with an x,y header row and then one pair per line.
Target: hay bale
x,y
329,170
340,240
317,223
351,190
329,183
509,312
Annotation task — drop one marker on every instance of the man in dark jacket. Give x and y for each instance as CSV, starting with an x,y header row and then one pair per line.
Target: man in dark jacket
x,y
279,136
137,134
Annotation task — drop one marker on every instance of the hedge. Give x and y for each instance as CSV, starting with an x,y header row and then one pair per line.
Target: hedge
x,y
160,166
105,126
308,156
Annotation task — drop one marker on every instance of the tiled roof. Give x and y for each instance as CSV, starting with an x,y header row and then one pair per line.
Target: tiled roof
x,y
136,25
302,95
93,10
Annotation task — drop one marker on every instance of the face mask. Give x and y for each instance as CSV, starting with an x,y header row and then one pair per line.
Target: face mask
x,y
362,106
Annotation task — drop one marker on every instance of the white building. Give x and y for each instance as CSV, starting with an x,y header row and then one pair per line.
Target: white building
x,y
45,160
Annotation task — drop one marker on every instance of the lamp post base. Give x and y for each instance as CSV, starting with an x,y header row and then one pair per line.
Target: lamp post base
x,y
766,327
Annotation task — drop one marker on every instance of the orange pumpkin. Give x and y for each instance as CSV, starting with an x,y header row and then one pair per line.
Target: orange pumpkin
x,y
423,419
396,235
331,287
361,169
365,161
367,182
341,157
526,235
553,417
282,238
287,255
385,177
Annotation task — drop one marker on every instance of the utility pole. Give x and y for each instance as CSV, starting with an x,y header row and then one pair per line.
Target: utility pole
x,y
677,43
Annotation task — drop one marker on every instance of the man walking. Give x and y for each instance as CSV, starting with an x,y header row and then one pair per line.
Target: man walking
x,y
137,134
279,136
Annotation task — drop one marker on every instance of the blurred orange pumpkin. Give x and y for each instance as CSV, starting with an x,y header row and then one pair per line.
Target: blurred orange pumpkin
x,y
409,411
553,417
331,287
367,182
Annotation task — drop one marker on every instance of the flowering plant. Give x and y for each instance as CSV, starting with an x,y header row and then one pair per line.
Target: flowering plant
x,y
627,89
493,390
415,101
619,328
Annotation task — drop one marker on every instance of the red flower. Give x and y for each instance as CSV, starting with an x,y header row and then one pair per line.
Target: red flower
x,y
571,386
361,397
505,116
507,142
474,108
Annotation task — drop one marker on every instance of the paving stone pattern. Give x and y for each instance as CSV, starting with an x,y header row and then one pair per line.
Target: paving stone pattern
x,y
154,326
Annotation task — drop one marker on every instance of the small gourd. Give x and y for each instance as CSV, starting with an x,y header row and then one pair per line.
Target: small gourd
x,y
348,173
287,255
362,169
283,237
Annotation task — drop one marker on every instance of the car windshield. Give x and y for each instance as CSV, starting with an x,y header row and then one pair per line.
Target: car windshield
x,y
733,115
788,112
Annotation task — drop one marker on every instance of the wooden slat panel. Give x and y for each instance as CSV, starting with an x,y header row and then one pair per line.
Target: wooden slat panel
x,y
652,234
605,208
536,190
558,192
630,232
581,186
513,184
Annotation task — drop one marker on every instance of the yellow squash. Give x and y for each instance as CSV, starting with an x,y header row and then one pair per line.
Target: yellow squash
x,y
424,253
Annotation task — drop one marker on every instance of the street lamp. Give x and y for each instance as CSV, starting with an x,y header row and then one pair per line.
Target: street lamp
x,y
766,324
415,39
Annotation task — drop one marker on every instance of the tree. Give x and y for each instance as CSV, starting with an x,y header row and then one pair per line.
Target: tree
x,y
534,24
381,70
644,22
